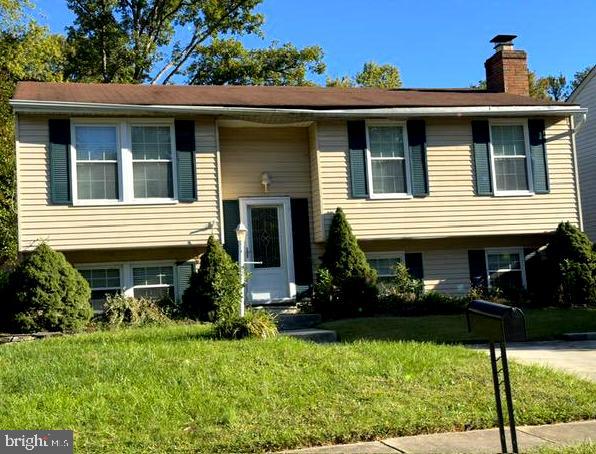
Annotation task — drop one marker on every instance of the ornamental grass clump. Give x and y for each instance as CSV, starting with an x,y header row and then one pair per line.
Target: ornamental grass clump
x,y
45,293
254,324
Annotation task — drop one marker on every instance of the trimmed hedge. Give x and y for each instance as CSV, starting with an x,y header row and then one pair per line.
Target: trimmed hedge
x,y
45,293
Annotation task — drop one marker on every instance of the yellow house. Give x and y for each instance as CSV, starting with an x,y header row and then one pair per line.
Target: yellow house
x,y
129,181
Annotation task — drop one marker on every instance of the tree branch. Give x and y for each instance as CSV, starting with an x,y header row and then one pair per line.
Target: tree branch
x,y
192,45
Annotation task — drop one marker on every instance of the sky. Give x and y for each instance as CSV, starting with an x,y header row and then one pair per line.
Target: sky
x,y
434,43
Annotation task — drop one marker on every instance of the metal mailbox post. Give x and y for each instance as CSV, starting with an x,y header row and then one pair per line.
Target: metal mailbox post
x,y
498,323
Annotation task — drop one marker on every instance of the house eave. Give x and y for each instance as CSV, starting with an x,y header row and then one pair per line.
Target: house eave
x,y
78,108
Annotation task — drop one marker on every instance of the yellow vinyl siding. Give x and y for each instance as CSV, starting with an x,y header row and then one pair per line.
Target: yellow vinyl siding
x,y
452,208
248,152
110,227
445,260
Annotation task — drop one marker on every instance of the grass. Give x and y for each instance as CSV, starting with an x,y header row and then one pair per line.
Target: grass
x,y
542,324
582,448
173,389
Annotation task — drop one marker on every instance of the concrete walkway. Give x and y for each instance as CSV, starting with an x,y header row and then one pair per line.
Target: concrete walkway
x,y
472,442
576,357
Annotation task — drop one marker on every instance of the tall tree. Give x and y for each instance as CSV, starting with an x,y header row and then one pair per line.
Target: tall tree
x,y
27,51
578,77
229,62
154,41
372,75
556,87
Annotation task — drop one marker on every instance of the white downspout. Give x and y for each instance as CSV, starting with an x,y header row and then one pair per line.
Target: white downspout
x,y
573,131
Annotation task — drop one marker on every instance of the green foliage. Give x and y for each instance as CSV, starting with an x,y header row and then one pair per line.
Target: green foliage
x,y
372,75
403,283
151,40
556,87
579,76
214,291
45,293
227,61
27,52
346,283
567,269
254,324
121,310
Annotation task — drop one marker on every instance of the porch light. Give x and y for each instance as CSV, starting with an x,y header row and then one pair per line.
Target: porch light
x,y
265,181
241,231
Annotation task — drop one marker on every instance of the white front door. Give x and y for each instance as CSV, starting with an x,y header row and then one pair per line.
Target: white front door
x,y
269,243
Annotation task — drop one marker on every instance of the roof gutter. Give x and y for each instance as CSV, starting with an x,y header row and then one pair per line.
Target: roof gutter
x,y
53,107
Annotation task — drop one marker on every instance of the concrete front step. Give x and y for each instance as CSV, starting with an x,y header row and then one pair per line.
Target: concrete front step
x,y
319,336
297,321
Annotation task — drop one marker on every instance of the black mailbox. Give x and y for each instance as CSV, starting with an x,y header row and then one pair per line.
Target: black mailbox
x,y
496,322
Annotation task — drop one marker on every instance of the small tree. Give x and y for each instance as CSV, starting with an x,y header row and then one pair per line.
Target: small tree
x,y
351,289
214,291
45,293
568,269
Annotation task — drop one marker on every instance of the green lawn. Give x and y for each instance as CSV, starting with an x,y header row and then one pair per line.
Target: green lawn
x,y
582,448
172,389
542,324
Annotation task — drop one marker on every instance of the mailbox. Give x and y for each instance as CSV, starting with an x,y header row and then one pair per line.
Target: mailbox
x,y
496,322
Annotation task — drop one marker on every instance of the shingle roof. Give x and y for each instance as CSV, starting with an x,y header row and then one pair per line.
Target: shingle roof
x,y
270,97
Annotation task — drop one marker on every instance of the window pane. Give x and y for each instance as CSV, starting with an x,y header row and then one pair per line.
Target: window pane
x,y
153,179
507,279
97,143
386,141
265,237
384,266
98,297
511,174
151,142
153,275
389,176
504,261
508,140
97,180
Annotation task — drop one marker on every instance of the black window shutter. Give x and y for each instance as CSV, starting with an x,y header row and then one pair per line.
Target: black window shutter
x,y
418,164
414,264
231,219
477,265
481,139
357,158
59,162
301,241
185,160
538,156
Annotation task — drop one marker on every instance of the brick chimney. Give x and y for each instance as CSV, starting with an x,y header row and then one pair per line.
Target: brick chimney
x,y
507,69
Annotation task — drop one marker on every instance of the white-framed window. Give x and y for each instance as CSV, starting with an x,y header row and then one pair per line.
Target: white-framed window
x,y
153,281
97,148
117,161
388,159
506,268
103,282
510,157
384,262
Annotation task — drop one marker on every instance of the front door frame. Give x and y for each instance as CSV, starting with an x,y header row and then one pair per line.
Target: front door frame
x,y
246,202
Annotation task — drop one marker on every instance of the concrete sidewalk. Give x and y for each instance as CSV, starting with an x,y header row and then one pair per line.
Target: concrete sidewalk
x,y
474,441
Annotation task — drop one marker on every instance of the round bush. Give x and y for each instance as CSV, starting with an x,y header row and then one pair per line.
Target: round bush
x,y
45,293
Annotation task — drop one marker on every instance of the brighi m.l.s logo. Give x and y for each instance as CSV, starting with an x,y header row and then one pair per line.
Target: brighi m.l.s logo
x,y
36,441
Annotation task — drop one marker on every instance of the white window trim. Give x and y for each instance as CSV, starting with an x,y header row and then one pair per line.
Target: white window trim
x,y
510,122
507,250
401,255
125,167
394,195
